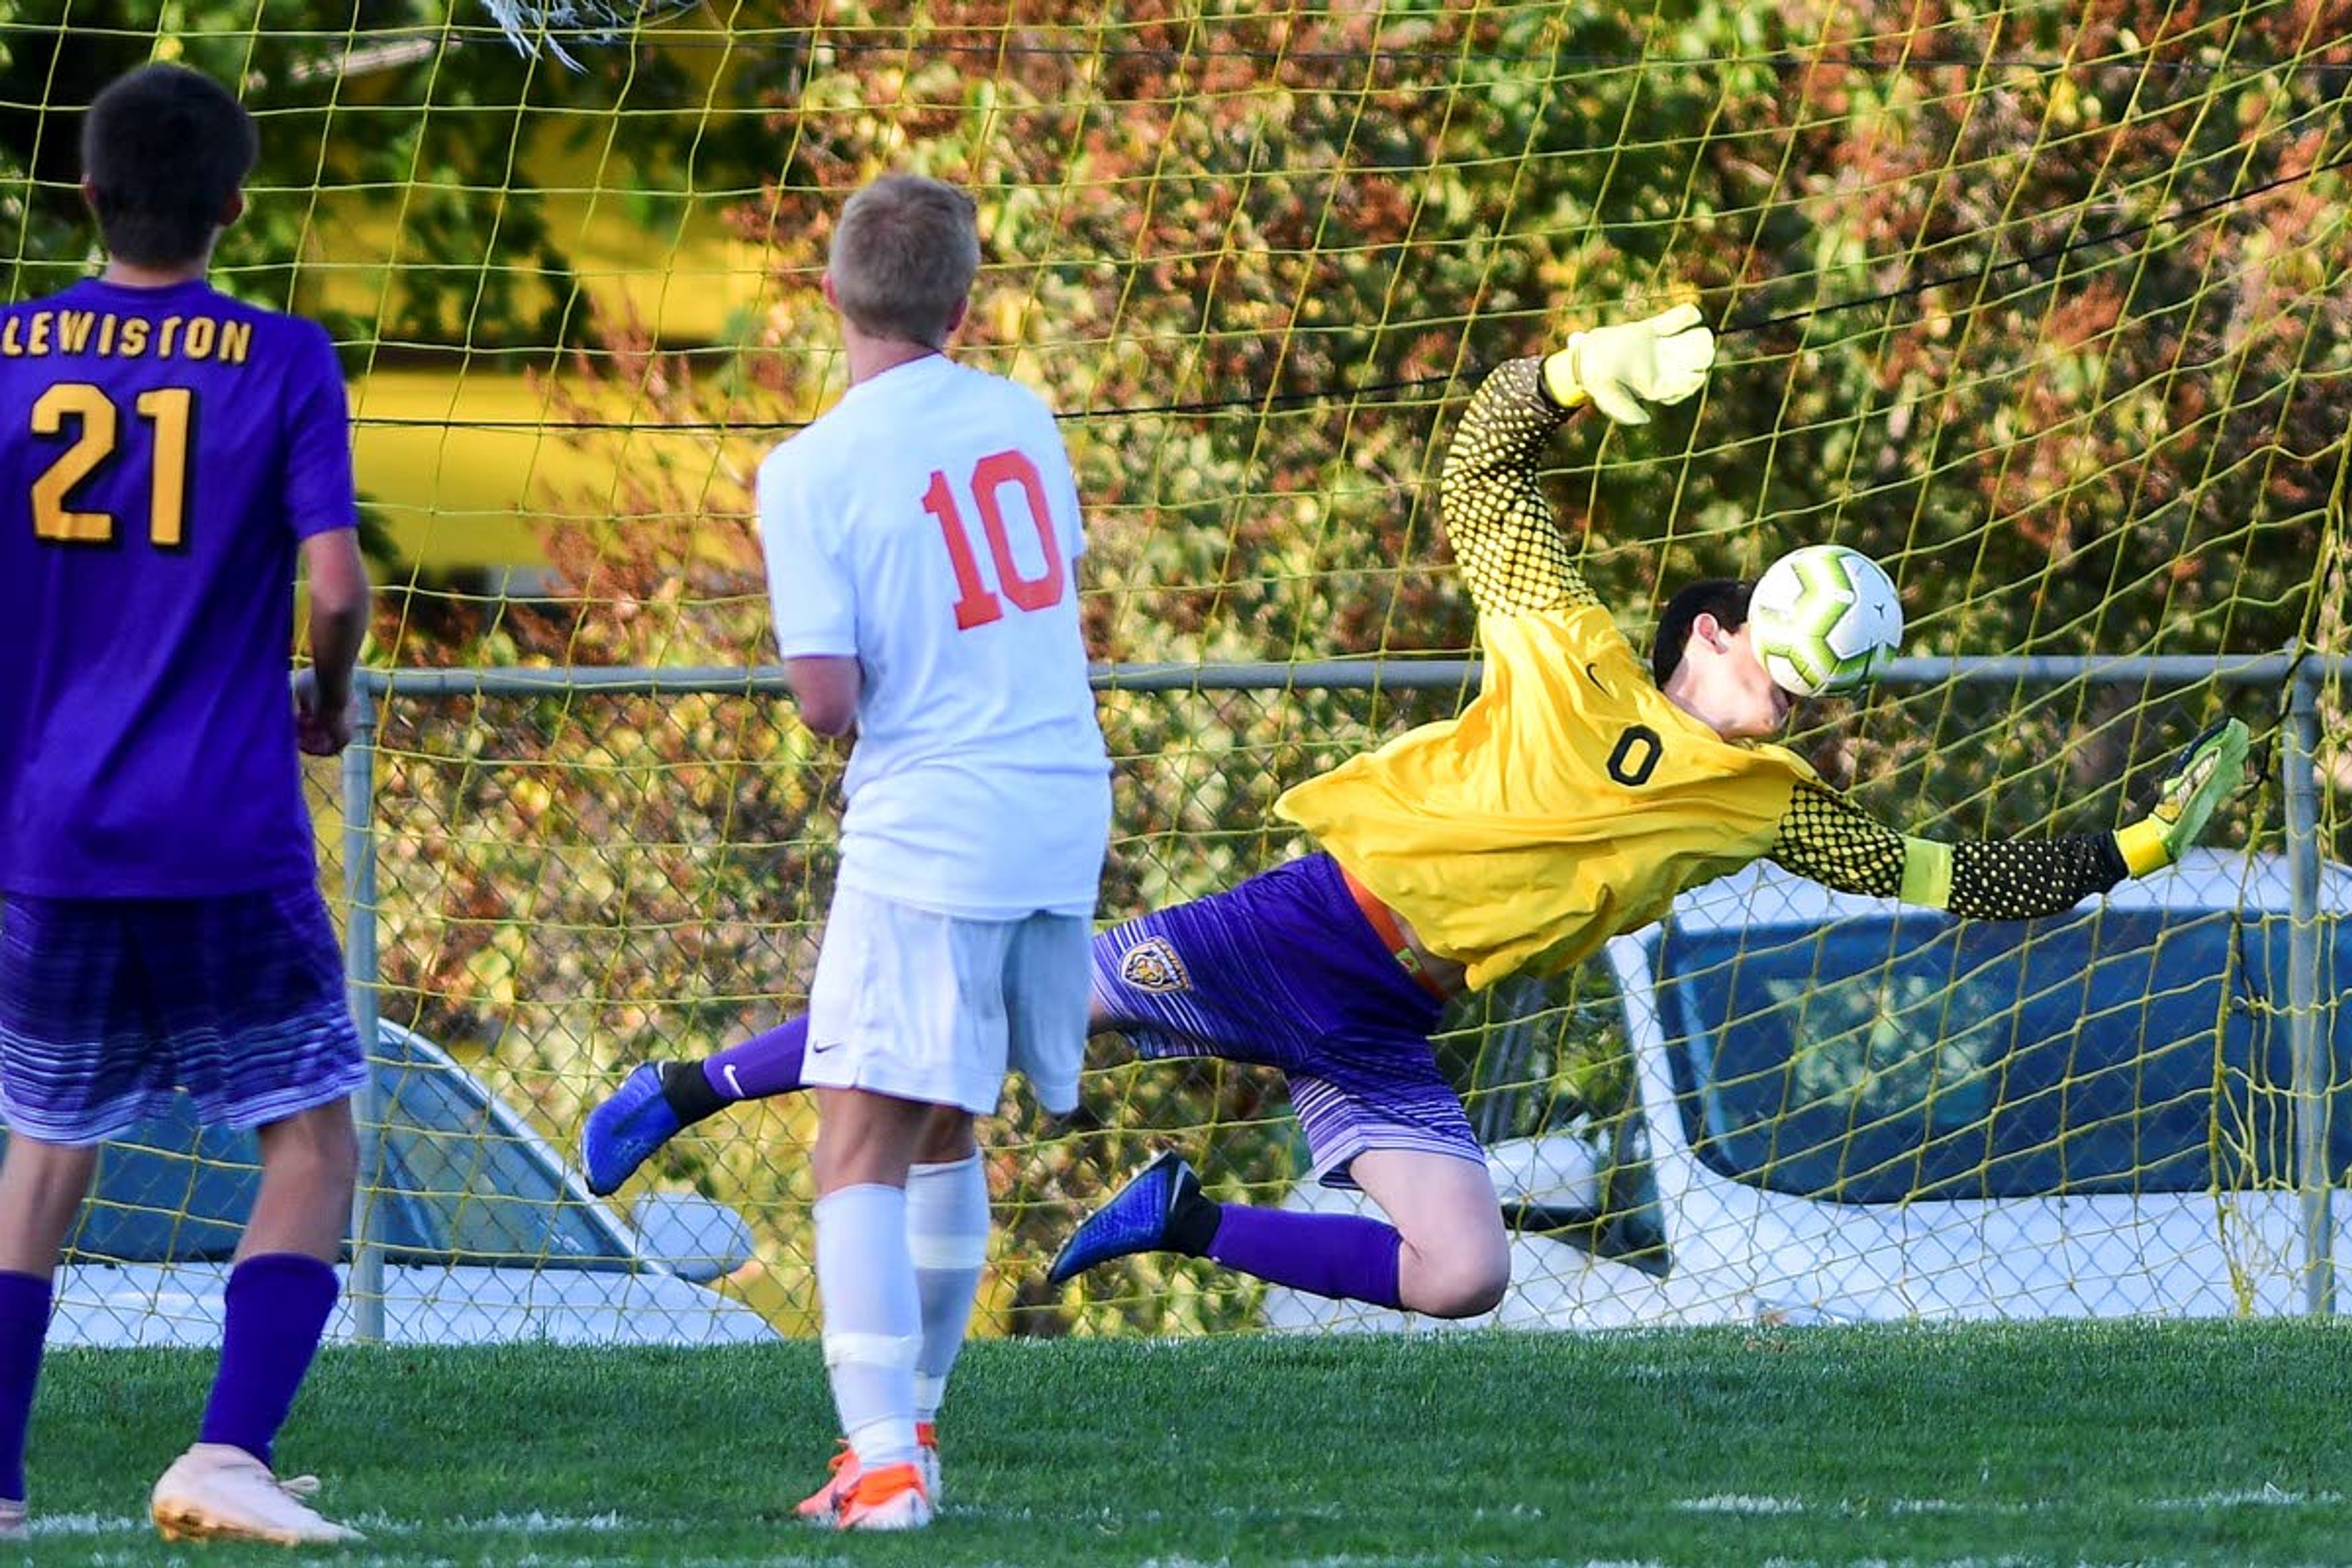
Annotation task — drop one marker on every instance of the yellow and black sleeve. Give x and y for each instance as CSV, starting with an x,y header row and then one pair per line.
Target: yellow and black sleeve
x,y
1513,555
1828,839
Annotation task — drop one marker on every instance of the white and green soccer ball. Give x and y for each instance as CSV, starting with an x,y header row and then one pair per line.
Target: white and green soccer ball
x,y
1825,618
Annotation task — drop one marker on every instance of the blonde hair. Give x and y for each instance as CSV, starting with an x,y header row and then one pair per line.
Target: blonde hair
x,y
904,255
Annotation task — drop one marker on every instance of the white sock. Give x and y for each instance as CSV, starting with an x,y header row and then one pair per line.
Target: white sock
x,y
947,1232
873,1326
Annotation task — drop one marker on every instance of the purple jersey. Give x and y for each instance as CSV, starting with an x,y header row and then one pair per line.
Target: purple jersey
x,y
162,451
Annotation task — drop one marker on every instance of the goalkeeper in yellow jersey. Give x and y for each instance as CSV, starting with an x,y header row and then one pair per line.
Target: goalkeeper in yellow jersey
x,y
1571,801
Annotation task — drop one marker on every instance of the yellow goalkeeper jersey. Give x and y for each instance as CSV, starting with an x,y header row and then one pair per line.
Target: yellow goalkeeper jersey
x,y
1571,800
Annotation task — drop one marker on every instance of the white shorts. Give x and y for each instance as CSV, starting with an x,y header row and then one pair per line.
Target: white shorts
x,y
925,1006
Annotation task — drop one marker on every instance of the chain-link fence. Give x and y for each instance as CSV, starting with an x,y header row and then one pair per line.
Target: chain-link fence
x,y
556,874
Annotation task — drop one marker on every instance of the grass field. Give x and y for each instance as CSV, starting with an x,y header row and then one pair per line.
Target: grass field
x,y
2064,1445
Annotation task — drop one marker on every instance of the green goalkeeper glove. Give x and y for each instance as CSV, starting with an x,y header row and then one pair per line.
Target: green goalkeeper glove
x,y
2211,770
1618,369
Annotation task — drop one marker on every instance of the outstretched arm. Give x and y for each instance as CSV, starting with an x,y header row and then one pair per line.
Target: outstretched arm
x,y
1828,839
1513,555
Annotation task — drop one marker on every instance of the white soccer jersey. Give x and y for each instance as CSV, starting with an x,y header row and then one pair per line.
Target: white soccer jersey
x,y
929,526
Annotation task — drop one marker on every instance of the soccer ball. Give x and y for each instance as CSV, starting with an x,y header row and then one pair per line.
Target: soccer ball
x,y
1825,618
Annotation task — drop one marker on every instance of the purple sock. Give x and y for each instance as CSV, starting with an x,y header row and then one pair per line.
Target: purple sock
x,y
24,1325
761,1065
1340,1255
278,1308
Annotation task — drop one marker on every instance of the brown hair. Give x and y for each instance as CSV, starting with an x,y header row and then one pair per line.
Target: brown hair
x,y
904,256
1725,598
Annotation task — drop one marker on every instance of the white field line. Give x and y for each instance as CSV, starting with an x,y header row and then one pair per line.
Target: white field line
x,y
350,1559
1346,1560
1349,1559
47,1524
2007,1561
2265,1496
532,1523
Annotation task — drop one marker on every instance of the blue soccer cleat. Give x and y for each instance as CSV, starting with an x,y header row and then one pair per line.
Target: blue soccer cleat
x,y
1142,1216
626,1130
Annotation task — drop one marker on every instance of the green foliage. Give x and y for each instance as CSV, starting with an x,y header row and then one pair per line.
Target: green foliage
x,y
406,111
2044,308
1260,258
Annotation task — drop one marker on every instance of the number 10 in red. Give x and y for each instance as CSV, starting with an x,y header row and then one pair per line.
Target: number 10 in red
x,y
976,603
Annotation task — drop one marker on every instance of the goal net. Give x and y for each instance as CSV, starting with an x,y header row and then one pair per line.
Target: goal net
x,y
2046,308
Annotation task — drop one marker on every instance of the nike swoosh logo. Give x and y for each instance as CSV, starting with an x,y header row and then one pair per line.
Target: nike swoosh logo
x,y
819,1049
1594,676
728,1072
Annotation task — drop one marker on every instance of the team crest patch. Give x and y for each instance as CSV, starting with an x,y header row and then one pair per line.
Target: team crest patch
x,y
1151,964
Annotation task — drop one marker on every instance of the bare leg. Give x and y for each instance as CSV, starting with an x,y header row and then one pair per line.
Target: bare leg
x,y
1454,1258
1442,1251
309,1165
41,1189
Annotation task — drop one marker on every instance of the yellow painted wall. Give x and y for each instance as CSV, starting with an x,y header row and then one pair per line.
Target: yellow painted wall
x,y
459,494
438,448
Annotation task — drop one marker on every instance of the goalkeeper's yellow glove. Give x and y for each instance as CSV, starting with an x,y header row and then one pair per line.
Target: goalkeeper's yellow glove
x,y
1618,369
2210,771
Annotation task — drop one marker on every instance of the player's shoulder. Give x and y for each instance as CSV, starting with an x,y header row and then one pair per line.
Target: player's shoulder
x,y
282,336
828,456
1769,755
1577,626
294,327
206,296
280,330
1586,619
932,399
1015,394
979,394
36,303
834,428
73,296
299,352
90,311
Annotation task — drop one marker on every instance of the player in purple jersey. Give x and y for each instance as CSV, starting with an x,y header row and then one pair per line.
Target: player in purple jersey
x,y
166,455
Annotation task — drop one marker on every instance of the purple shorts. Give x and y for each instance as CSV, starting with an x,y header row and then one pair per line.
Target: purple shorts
x,y
107,1005
1284,970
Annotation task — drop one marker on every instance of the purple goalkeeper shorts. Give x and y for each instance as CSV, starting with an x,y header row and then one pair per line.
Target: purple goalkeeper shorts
x,y
108,1004
1284,970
